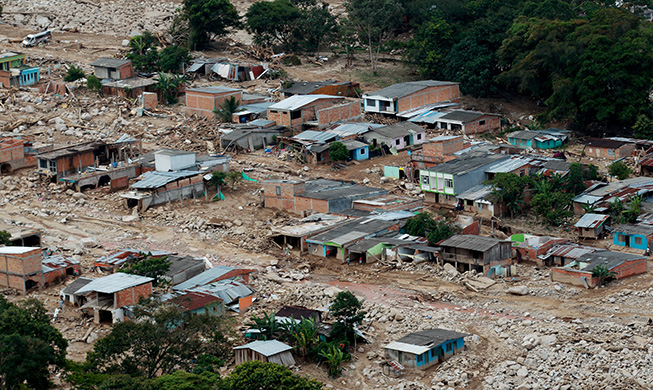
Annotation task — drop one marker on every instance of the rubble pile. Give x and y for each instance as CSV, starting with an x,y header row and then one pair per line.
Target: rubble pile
x,y
117,18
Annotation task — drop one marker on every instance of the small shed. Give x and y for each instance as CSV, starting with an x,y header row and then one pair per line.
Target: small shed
x,y
467,252
69,294
270,351
426,348
112,68
591,225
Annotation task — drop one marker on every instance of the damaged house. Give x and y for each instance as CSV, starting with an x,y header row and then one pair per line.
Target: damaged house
x,y
484,254
24,268
300,111
107,296
15,154
408,96
579,272
15,73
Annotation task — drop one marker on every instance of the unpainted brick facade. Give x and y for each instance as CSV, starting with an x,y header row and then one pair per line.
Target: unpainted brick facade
x,y
624,270
17,268
309,112
204,103
483,124
339,113
131,296
430,95
625,150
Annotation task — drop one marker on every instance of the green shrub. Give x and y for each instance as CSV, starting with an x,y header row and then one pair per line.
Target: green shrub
x,y
74,73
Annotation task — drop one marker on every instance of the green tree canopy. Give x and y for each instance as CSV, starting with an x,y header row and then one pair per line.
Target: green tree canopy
x,y
266,376
346,308
208,18
424,225
273,22
74,73
227,109
147,265
338,151
172,58
619,170
161,340
5,238
29,344
143,53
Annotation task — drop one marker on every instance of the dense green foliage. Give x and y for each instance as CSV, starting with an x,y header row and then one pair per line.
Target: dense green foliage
x,y
602,272
589,61
147,265
169,87
29,344
146,58
209,18
5,238
159,341
266,376
74,73
338,151
508,189
424,225
93,83
227,109
291,25
619,170
172,58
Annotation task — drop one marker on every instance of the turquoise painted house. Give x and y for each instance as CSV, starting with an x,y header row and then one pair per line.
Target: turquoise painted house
x,y
633,236
539,139
426,348
358,151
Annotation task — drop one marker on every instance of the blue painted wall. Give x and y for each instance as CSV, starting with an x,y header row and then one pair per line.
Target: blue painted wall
x,y
622,242
520,142
550,144
359,154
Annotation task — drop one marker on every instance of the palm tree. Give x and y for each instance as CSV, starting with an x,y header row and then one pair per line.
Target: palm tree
x,y
634,208
267,325
227,109
169,86
333,356
602,272
303,333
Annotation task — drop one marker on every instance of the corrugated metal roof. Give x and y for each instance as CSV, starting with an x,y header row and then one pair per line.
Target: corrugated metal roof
x,y
195,67
480,191
509,165
155,179
194,300
114,283
571,251
398,130
227,290
428,117
420,342
123,255
471,242
463,116
348,129
644,230
73,287
52,263
208,276
266,348
110,62
591,220
465,164
407,348
351,144
316,136
298,101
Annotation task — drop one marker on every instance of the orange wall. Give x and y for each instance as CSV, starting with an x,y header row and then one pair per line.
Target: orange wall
x,y
429,95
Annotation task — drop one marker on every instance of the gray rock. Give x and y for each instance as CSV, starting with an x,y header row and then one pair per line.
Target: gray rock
x,y
518,290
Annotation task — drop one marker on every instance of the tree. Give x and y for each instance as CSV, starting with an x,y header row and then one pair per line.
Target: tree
x,y
303,334
430,45
554,207
338,151
172,58
181,380
143,53
316,27
217,179
419,224
93,83
374,21
169,87
209,18
423,225
574,181
619,170
151,266
441,230
234,177
333,357
162,339
266,376
273,22
29,344
346,309
227,109
267,325
508,189
643,127
603,273
74,74
5,238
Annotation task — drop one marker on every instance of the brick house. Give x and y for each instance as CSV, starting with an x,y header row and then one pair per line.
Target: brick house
x,y
108,295
315,196
228,283
15,154
156,188
59,267
437,150
20,267
608,148
205,100
313,110
67,160
579,272
469,122
407,96
529,247
112,68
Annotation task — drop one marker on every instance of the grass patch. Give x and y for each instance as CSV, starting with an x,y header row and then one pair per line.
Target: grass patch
x,y
384,76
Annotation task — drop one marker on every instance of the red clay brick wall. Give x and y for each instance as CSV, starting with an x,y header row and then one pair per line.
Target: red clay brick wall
x,y
282,118
70,163
122,182
430,95
51,277
339,113
630,268
21,263
492,123
203,103
131,296
126,71
13,151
